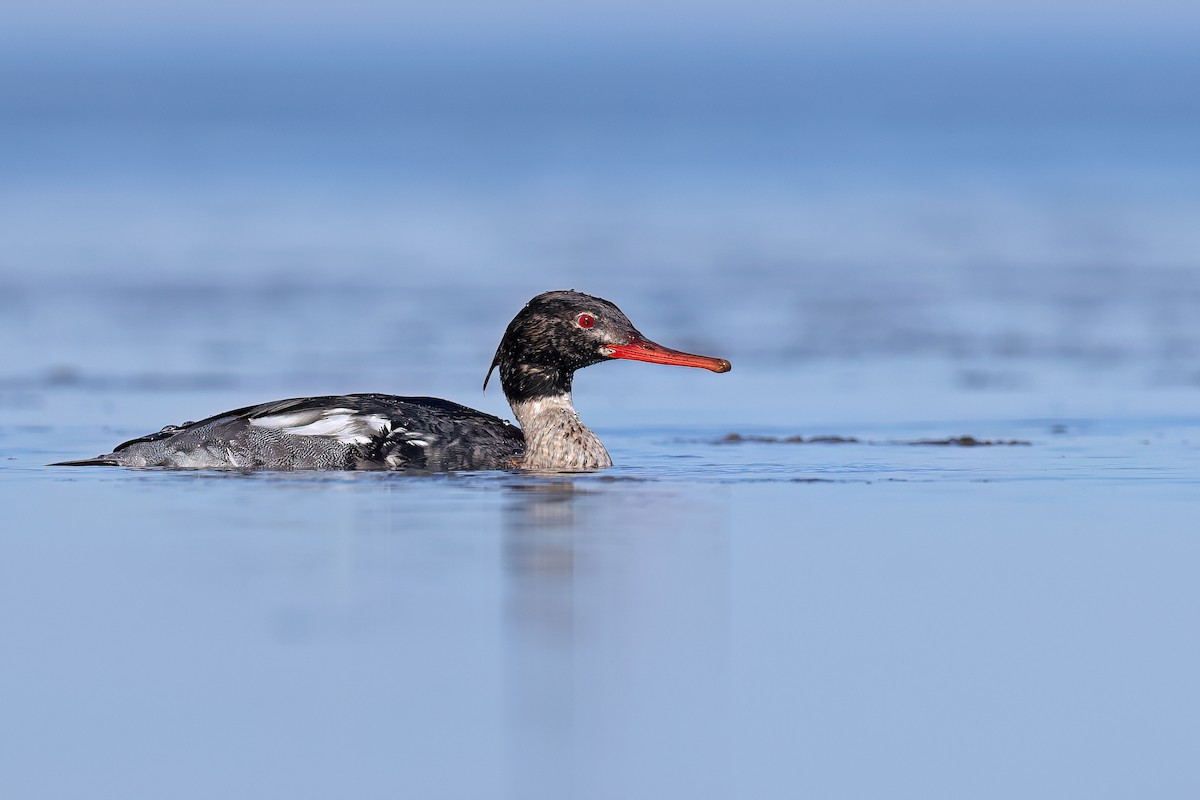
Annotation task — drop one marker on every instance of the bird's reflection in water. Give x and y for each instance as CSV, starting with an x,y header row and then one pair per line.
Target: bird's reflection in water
x,y
541,531
539,553
615,638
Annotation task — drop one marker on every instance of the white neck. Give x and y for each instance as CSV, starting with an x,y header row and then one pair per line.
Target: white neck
x,y
555,438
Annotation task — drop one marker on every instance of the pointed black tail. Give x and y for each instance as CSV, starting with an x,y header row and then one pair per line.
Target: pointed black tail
x,y
98,461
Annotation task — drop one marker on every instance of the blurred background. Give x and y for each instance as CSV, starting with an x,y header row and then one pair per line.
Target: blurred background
x,y
999,197
900,222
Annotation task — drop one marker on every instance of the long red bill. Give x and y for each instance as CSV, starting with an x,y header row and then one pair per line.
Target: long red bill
x,y
640,349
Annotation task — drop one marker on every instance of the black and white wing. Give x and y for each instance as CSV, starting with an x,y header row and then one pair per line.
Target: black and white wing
x,y
347,432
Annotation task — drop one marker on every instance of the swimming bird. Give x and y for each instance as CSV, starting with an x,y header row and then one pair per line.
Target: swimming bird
x,y
555,334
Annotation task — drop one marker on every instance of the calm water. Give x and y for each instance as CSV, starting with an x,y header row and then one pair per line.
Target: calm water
x,y
891,244
707,619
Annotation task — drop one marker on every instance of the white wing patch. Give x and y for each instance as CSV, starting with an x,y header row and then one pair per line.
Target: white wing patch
x,y
344,424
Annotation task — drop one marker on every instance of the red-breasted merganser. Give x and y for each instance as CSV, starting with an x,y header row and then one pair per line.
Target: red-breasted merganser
x,y
554,335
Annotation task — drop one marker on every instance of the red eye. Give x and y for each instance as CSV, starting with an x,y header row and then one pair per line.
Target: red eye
x,y
585,320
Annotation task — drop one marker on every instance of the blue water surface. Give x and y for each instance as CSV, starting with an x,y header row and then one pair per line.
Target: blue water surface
x,y
896,240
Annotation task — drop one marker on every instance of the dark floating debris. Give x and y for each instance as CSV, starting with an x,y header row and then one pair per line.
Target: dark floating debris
x,y
969,441
737,437
953,441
